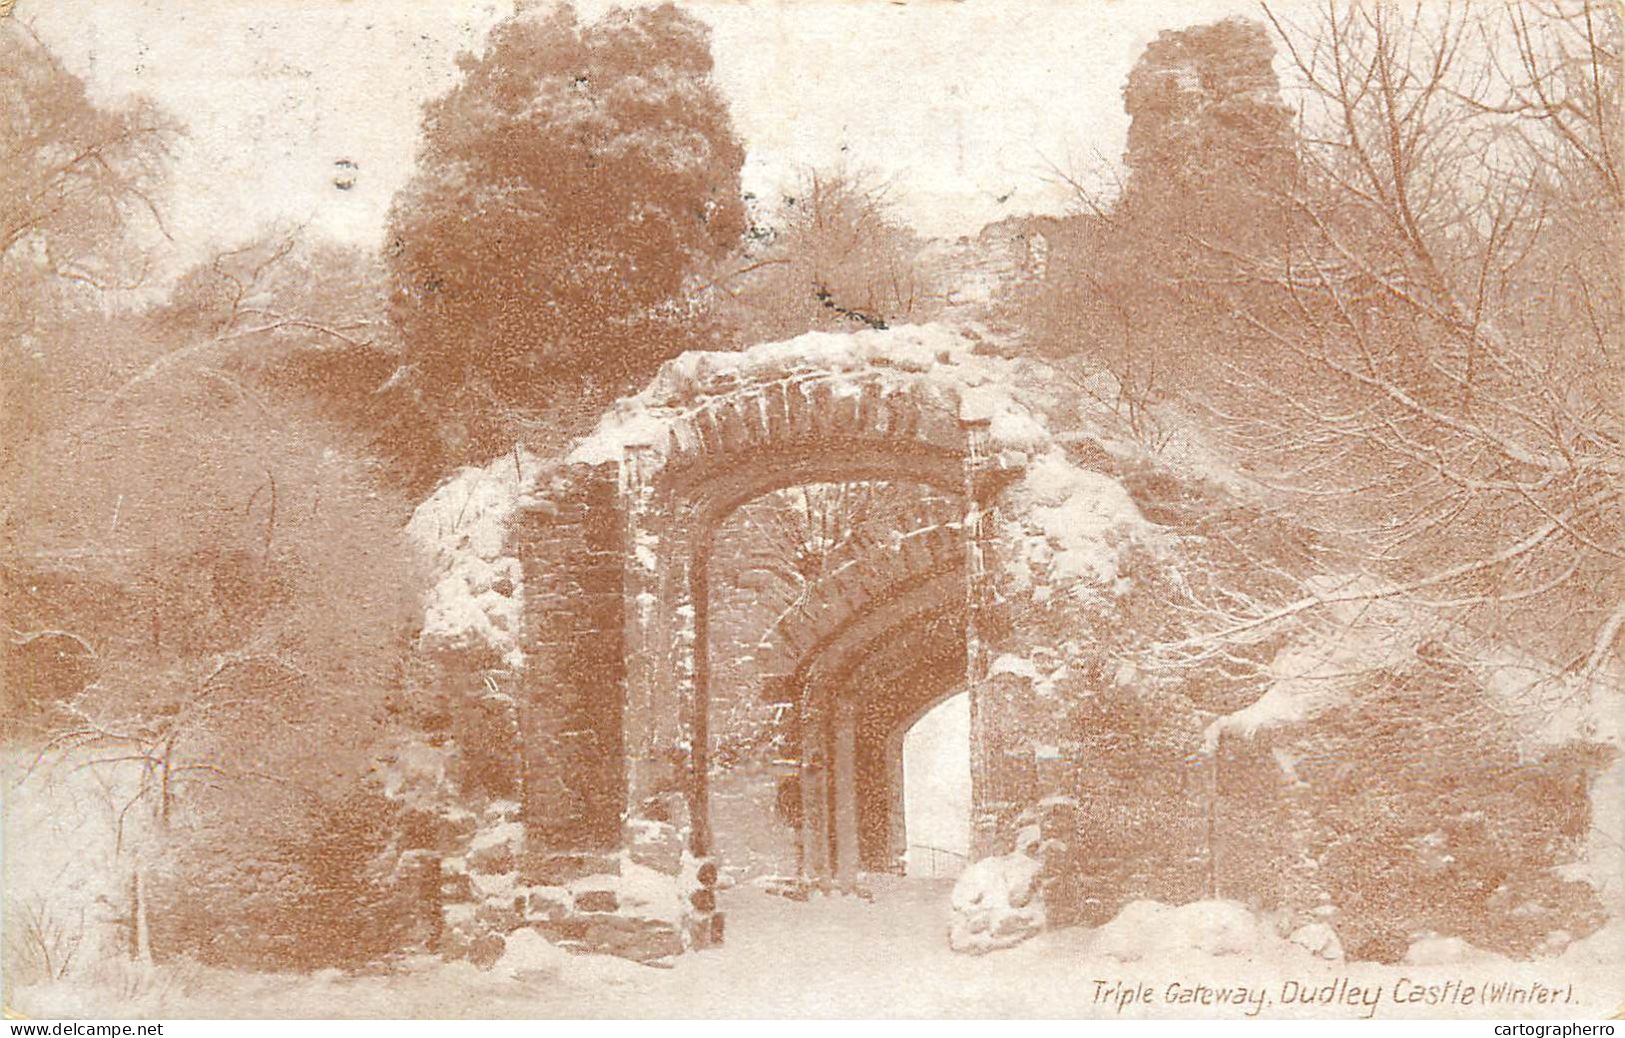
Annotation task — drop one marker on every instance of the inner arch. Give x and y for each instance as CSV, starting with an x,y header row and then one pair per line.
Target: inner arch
x,y
855,647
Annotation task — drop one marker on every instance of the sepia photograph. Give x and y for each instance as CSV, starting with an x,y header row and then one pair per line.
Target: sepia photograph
x,y
951,509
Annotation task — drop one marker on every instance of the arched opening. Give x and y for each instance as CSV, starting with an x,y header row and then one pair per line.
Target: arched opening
x,y
836,619
606,606
714,465
936,790
876,688
707,444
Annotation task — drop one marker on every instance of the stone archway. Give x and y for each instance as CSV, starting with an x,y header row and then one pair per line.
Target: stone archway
x,y
842,664
572,596
689,458
861,704
667,704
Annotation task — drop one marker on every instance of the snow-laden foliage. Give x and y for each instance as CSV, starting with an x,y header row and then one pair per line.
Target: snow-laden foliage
x,y
568,189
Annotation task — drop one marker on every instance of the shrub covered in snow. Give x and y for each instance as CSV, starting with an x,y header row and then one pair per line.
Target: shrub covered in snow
x,y
325,888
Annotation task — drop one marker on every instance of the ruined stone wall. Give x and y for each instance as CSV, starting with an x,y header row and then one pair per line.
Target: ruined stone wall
x,y
569,540
587,580
543,842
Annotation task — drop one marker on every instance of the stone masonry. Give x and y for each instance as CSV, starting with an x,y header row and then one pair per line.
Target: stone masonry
x,y
571,607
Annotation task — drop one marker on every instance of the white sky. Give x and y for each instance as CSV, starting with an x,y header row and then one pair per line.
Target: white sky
x,y
955,103
936,778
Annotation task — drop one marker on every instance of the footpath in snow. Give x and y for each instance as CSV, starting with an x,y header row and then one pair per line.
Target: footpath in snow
x,y
845,957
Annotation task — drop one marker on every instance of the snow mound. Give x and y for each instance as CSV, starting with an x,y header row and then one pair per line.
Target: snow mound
x,y
995,904
530,956
1150,930
1318,940
1444,951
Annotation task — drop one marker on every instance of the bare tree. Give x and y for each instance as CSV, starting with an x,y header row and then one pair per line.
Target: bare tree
x,y
42,941
1431,375
79,207
831,256
75,175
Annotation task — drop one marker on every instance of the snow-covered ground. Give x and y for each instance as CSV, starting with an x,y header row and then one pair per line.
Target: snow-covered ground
x,y
844,957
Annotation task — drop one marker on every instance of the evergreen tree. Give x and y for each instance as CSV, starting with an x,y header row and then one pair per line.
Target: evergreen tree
x,y
568,189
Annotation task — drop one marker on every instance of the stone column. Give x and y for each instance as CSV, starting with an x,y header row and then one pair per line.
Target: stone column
x,y
650,719
570,711
896,819
815,757
693,675
676,694
845,776
979,534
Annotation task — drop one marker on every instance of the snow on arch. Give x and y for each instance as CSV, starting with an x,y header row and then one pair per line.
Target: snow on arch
x,y
934,357
1062,527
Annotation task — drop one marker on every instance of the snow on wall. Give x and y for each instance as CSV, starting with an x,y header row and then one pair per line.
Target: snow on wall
x,y
939,356
1322,669
1066,528
1063,527
476,591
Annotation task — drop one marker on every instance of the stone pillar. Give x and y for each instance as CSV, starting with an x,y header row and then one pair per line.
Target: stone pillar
x,y
678,701
845,777
815,863
896,819
569,707
979,534
651,727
